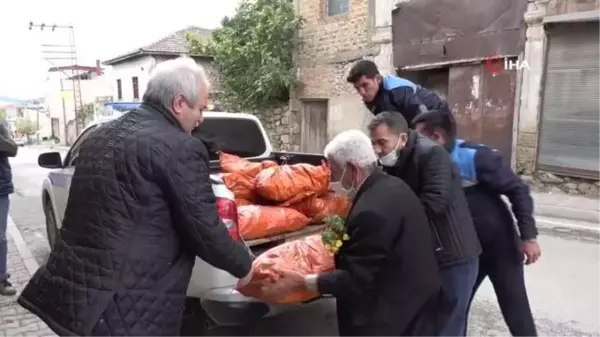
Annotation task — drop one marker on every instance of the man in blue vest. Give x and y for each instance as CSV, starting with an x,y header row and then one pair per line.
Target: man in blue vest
x,y
392,93
485,177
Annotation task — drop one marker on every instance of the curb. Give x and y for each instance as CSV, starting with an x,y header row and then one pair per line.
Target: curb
x,y
567,213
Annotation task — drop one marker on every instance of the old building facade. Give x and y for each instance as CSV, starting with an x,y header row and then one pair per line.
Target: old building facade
x,y
335,34
558,103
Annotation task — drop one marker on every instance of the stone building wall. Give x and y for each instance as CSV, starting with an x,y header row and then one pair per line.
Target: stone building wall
x,y
530,98
329,46
283,127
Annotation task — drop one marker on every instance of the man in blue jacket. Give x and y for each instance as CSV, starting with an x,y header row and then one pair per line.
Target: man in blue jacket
x,y
485,177
8,148
392,93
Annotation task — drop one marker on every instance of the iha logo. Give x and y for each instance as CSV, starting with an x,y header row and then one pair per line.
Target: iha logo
x,y
495,64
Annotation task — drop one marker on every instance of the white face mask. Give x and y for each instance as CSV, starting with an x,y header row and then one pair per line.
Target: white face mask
x,y
391,158
352,190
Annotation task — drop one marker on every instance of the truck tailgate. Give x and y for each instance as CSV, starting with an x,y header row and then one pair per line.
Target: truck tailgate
x,y
278,239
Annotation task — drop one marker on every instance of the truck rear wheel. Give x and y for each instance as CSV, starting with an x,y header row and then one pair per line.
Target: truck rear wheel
x,y
197,323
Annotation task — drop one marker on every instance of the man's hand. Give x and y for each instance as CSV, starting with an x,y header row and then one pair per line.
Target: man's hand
x,y
287,282
246,279
531,251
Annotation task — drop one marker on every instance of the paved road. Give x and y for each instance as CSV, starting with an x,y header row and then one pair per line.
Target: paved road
x,y
563,286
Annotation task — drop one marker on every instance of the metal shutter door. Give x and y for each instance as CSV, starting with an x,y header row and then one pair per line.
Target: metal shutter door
x,y
569,125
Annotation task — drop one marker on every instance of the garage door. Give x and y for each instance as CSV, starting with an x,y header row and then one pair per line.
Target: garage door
x,y
569,125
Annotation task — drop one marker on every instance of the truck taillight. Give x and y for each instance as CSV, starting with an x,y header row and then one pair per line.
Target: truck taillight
x,y
228,212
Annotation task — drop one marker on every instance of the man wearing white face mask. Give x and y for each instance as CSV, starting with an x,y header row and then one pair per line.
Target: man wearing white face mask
x,y
386,281
427,168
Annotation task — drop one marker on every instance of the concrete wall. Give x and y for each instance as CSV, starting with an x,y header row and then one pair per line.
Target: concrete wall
x,y
530,100
328,48
531,85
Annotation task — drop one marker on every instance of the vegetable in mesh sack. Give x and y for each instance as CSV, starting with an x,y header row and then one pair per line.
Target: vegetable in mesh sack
x,y
240,184
291,183
233,164
256,221
242,202
305,256
318,208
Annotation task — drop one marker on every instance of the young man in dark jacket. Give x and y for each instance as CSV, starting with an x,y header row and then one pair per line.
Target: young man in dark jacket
x,y
8,148
391,93
486,177
426,167
140,209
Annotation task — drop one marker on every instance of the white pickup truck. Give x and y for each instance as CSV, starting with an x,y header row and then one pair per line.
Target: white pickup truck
x,y
212,299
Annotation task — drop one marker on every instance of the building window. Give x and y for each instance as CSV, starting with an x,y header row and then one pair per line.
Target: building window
x,y
119,90
136,87
336,7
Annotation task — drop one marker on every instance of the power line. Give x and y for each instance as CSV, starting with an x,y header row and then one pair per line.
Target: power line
x,y
64,52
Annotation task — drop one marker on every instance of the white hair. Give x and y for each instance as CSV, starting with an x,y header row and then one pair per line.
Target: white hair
x,y
351,146
180,76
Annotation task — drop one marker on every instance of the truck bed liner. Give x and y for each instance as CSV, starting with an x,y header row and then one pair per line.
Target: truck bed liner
x,y
308,230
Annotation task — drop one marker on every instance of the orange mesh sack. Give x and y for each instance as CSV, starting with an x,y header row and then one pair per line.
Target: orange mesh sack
x,y
242,202
292,183
318,208
240,184
233,164
257,222
267,163
305,256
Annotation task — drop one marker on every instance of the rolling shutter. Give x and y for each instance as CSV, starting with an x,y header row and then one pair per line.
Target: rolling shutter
x,y
569,124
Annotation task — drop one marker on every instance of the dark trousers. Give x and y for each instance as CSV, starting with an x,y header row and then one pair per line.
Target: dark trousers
x,y
458,283
504,267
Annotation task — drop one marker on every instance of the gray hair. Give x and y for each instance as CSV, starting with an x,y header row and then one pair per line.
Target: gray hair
x,y
180,76
352,146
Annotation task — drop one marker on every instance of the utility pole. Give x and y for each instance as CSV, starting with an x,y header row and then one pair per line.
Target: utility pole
x,y
55,54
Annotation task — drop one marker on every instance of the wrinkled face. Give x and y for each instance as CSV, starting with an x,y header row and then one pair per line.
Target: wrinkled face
x,y
345,176
385,141
190,115
367,87
436,136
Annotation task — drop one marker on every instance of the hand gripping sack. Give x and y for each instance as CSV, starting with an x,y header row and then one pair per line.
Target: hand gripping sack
x,y
305,256
291,183
255,221
318,208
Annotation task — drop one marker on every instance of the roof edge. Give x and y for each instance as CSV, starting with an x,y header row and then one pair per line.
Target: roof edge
x,y
142,52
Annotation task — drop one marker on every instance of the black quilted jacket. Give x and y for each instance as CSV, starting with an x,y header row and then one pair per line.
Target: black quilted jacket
x,y
140,208
427,168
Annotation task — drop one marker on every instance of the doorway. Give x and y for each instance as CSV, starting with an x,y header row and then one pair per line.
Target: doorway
x,y
314,126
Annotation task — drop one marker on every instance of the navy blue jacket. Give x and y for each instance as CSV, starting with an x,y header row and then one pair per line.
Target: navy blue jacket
x,y
401,95
8,148
486,177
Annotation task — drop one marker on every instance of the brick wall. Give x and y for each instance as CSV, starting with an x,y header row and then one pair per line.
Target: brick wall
x,y
326,41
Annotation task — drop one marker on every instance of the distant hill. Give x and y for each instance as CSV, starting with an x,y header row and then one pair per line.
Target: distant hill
x,y
15,101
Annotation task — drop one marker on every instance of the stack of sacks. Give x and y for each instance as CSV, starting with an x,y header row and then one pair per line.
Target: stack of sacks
x,y
275,199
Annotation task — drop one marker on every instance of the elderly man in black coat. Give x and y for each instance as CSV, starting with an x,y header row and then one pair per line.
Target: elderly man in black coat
x,y
140,209
386,281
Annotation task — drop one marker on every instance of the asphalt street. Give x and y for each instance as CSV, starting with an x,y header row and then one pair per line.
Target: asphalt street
x,y
563,286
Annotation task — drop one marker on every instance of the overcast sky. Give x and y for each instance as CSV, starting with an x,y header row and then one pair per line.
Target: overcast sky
x,y
103,29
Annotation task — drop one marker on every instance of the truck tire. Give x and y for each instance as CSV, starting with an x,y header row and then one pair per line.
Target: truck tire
x,y
51,227
195,321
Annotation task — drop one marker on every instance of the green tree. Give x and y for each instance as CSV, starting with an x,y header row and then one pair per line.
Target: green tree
x,y
254,53
87,114
2,114
25,126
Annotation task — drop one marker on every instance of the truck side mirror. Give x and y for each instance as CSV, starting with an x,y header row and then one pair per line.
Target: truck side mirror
x,y
51,160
